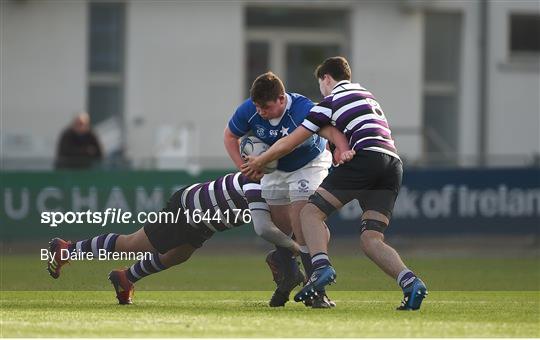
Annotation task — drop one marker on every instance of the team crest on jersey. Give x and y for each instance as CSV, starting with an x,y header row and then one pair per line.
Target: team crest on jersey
x,y
303,185
376,107
260,131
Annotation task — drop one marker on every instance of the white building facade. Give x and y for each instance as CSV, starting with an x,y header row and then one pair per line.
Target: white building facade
x,y
458,80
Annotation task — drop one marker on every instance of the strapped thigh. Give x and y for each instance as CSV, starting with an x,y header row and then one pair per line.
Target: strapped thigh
x,y
323,205
374,225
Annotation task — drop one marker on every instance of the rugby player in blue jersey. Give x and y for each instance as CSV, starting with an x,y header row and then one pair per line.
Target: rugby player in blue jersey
x,y
372,175
271,114
173,242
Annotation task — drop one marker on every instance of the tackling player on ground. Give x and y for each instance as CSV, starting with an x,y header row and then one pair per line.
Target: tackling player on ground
x,y
373,176
173,243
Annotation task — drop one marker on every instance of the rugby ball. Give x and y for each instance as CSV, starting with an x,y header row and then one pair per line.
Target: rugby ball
x,y
253,146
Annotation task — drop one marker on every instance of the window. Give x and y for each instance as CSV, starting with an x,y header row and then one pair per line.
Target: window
x,y
442,51
295,17
106,35
291,42
257,60
524,34
302,59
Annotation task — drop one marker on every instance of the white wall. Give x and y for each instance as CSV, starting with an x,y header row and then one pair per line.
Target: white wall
x,y
469,120
387,58
185,64
513,122
43,52
468,115
514,90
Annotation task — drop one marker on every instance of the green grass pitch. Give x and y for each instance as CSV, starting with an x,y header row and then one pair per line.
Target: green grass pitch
x,y
226,296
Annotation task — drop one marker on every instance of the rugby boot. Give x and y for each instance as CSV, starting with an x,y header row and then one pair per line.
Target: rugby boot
x,y
273,264
320,278
287,276
322,301
413,295
123,287
56,247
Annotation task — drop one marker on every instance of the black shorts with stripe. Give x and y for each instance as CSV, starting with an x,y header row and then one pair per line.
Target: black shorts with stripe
x,y
373,178
167,234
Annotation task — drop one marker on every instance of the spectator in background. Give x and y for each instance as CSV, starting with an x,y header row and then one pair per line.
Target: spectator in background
x,y
78,147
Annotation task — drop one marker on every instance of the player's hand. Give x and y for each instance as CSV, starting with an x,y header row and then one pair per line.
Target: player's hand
x,y
254,175
341,156
347,156
251,168
252,163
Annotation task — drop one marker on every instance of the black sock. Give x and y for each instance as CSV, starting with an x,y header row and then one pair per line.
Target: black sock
x,y
285,257
306,262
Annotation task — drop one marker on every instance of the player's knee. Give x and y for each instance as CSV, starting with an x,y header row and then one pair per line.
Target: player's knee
x,y
369,241
371,234
126,241
181,259
173,259
311,211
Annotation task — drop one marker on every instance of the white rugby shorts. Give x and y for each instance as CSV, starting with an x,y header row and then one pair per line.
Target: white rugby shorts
x,y
280,187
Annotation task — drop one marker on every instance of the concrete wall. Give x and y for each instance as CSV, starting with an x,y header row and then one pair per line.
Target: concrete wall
x,y
185,69
388,60
185,66
514,89
43,63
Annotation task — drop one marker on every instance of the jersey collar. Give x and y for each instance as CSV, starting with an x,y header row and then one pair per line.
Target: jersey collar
x,y
289,103
275,121
336,88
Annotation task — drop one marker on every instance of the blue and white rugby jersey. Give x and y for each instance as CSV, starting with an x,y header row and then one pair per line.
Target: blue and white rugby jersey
x,y
246,119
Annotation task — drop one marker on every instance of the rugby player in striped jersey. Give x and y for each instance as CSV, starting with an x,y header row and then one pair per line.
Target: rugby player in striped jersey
x,y
226,200
372,175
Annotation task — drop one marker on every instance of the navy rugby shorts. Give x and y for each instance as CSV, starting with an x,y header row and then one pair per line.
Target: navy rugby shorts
x,y
373,178
167,234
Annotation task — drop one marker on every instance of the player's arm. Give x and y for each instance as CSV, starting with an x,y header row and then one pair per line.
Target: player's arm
x,y
231,141
279,149
343,152
265,228
237,127
335,136
261,218
318,117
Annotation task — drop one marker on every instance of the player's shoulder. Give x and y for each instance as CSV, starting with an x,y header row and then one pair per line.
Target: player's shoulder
x,y
246,109
327,101
299,99
300,103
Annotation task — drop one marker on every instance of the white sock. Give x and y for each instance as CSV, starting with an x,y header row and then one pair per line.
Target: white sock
x,y
304,249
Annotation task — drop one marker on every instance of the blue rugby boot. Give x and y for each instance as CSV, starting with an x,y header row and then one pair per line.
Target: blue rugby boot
x,y
322,301
320,278
414,294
